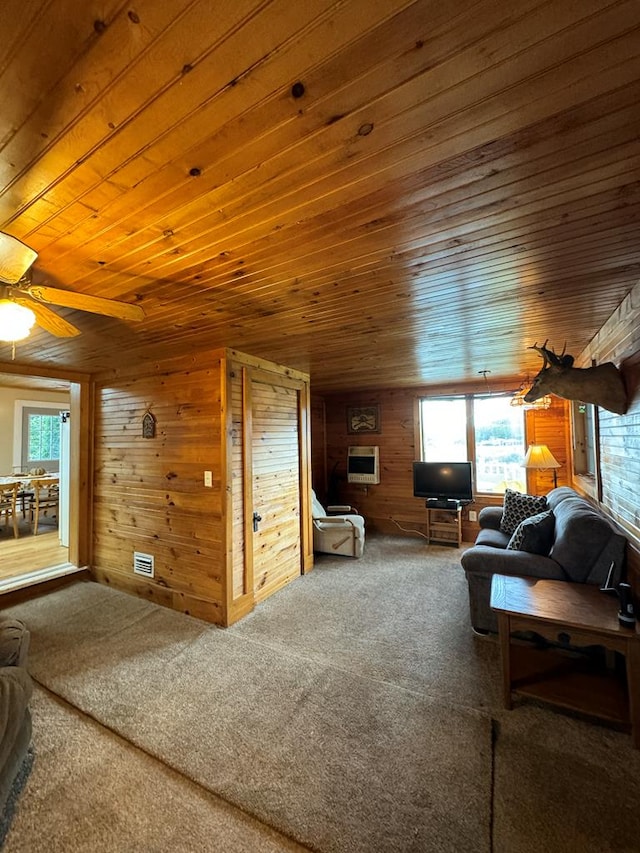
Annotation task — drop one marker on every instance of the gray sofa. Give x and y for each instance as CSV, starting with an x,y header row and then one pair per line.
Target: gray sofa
x,y
582,546
15,720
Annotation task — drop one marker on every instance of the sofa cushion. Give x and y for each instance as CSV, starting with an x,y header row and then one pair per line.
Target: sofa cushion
x,y
517,507
559,494
490,517
494,538
534,534
586,543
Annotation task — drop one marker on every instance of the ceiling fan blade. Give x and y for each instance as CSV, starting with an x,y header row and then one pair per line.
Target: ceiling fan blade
x,y
15,258
48,320
93,304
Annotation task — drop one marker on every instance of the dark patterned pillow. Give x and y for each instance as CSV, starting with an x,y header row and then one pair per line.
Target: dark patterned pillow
x,y
534,534
517,507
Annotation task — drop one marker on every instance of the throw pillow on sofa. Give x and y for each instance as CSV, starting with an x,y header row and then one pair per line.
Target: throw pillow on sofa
x,y
517,507
534,534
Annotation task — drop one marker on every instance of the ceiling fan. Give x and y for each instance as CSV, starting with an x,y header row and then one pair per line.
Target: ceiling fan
x,y
26,303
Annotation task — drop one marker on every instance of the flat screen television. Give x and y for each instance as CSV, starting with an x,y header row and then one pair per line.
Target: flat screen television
x,y
443,481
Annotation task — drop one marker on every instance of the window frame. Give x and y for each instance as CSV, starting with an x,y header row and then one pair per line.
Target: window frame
x,y
470,430
586,480
22,406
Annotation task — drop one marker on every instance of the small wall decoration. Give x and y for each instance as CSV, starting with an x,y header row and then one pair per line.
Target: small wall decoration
x,y
363,419
148,425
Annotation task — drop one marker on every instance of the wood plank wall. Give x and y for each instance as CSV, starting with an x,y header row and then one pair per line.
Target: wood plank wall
x,y
276,486
257,424
619,341
242,584
319,448
390,506
149,494
551,427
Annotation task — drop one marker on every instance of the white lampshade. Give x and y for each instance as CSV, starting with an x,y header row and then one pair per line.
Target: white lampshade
x,y
16,321
539,456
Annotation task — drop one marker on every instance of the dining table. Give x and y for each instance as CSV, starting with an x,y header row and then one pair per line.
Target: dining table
x,y
27,484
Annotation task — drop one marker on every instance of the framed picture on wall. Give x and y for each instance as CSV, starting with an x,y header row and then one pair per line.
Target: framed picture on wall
x,y
363,419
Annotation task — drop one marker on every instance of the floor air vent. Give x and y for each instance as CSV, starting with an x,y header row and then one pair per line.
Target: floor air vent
x,y
143,564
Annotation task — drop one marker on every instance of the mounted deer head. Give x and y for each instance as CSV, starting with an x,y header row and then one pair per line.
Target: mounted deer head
x,y
601,385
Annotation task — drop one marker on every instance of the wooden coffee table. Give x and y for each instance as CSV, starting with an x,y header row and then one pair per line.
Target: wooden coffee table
x,y
572,616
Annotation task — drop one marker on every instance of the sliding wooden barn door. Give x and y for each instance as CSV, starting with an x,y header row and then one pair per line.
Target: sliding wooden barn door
x,y
275,484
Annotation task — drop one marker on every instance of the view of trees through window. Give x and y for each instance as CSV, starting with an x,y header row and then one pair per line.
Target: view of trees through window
x,y
43,437
498,449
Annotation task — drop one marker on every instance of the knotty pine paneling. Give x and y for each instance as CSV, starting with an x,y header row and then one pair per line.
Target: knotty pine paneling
x,y
392,499
276,485
619,341
319,449
390,506
377,192
240,583
551,427
149,494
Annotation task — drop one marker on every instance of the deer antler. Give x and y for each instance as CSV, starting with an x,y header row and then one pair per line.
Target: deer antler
x,y
550,356
565,360
547,355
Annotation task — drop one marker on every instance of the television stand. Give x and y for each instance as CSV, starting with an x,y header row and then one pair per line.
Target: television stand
x,y
444,523
442,503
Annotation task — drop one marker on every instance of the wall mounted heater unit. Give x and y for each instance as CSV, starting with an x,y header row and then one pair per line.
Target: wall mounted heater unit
x,y
363,465
143,564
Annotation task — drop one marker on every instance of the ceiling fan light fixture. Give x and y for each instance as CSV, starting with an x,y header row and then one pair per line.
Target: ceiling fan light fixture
x,y
16,321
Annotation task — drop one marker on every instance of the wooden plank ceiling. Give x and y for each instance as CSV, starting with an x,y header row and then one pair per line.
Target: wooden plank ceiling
x,y
379,192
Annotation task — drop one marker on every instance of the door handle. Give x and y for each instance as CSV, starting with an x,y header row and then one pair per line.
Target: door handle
x,y
256,521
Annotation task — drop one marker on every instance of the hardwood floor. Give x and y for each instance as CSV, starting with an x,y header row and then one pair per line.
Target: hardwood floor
x,y
29,553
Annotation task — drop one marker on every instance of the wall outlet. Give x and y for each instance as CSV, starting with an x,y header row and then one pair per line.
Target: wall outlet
x,y
208,479
473,515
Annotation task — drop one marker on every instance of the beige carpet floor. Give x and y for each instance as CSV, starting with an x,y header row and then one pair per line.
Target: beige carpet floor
x,y
91,790
353,711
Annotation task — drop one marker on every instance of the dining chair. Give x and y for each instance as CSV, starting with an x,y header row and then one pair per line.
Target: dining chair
x,y
8,499
45,500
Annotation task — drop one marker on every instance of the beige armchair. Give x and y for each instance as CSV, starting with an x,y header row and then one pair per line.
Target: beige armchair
x,y
333,533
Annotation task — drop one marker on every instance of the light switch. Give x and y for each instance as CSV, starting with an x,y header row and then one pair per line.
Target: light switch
x,y
208,479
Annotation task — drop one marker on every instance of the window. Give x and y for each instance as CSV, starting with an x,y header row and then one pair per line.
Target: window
x,y
586,461
499,445
40,439
444,429
584,438
486,430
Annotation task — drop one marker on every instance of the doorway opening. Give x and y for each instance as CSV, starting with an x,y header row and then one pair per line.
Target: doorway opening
x,y
35,415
